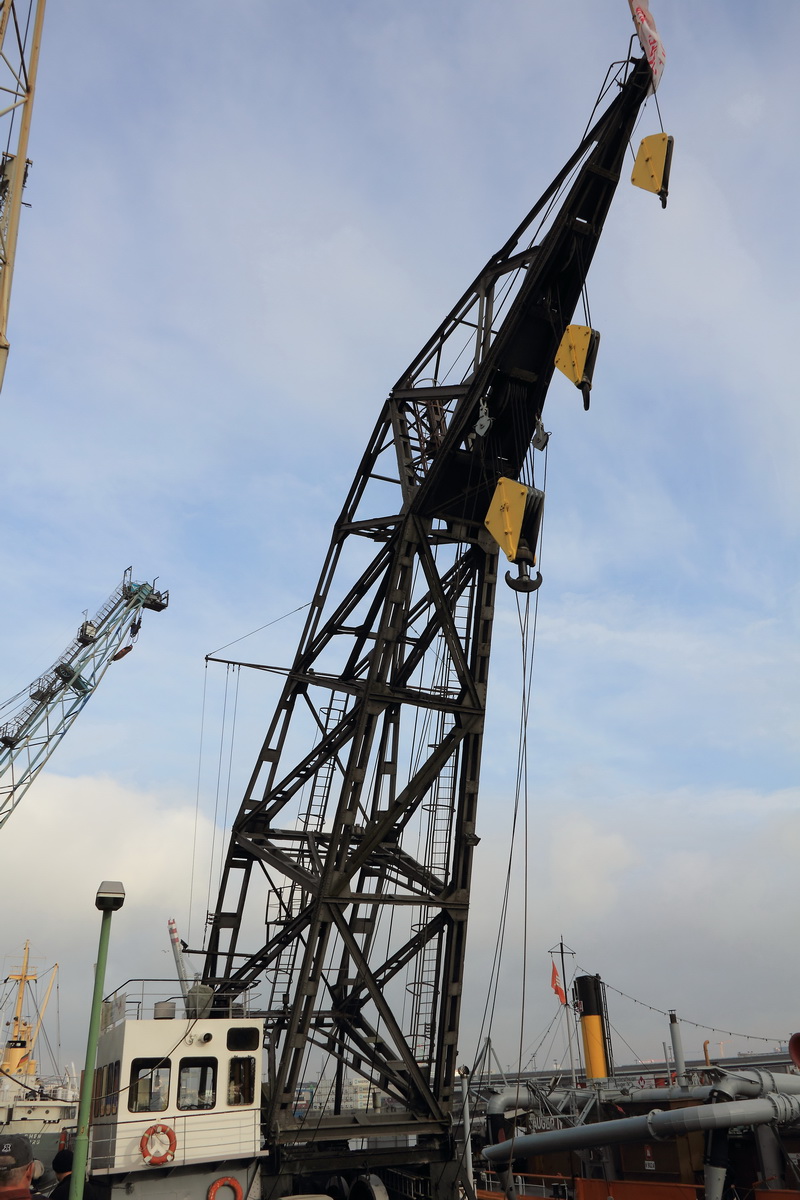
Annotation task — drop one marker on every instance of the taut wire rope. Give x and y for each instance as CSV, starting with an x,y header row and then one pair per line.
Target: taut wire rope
x,y
274,621
528,646
216,796
230,764
197,805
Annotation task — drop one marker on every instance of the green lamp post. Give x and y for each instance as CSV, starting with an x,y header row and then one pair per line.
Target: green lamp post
x,y
110,896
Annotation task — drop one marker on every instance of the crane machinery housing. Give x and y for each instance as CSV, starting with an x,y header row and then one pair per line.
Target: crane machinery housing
x,y
35,720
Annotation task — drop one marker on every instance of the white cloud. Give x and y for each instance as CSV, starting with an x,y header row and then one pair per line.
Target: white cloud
x,y
68,835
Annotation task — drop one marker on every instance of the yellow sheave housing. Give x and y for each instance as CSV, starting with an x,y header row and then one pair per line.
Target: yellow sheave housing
x,y
651,168
577,353
506,511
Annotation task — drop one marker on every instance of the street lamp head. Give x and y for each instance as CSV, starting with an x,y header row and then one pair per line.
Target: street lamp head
x,y
110,896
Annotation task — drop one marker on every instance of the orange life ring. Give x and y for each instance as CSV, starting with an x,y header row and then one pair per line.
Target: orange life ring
x,y
158,1160
225,1181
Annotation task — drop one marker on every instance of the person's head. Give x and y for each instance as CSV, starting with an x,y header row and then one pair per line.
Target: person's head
x,y
16,1161
62,1163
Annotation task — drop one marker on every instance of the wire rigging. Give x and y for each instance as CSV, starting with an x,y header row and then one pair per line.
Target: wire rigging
x,y
252,631
230,765
216,793
750,1037
197,805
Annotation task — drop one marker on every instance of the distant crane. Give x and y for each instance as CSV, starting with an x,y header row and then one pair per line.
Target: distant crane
x,y
20,41
36,719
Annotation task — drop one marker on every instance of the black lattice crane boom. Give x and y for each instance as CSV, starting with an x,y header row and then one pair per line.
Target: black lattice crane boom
x,y
359,820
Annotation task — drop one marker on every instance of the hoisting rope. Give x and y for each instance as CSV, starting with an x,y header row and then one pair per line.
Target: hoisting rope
x,y
216,798
506,292
230,767
228,665
528,629
197,805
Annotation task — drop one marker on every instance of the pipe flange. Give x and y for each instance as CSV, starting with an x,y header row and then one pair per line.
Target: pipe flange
x,y
649,1120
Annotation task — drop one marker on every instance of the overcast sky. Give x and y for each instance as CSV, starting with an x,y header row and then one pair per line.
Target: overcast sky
x,y
245,220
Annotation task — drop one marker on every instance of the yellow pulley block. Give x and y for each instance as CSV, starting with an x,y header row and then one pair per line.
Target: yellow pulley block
x,y
577,355
506,513
652,166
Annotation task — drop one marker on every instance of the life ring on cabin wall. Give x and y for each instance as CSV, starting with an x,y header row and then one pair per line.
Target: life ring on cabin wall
x,y
158,1160
225,1181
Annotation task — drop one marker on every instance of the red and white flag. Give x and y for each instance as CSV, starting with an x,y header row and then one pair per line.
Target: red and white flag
x,y
555,984
651,42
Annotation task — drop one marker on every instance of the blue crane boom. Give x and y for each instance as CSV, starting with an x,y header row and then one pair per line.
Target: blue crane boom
x,y
36,719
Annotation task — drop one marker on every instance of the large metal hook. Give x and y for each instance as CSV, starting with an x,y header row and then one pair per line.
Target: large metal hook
x,y
523,582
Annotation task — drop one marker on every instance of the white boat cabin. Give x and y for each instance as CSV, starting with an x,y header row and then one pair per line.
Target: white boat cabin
x,y
176,1092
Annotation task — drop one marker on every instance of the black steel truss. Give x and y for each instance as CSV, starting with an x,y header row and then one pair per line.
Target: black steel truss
x,y
359,821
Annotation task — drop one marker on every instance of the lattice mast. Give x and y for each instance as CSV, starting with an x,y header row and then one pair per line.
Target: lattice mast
x,y
20,41
359,820
33,722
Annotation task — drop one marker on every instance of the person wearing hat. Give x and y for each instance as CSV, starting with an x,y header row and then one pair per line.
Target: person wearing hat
x,y
16,1167
62,1165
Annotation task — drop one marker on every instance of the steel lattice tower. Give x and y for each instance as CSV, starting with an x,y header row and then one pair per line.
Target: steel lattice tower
x,y
359,820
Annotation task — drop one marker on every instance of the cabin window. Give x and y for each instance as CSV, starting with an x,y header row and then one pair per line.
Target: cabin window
x,y
243,1038
99,1091
197,1083
149,1087
112,1089
241,1080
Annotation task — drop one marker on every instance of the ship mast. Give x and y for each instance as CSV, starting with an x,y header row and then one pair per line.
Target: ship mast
x,y
18,1052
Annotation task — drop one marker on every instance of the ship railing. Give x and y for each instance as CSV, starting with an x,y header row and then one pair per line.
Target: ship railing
x,y
564,1187
199,1137
146,999
555,1187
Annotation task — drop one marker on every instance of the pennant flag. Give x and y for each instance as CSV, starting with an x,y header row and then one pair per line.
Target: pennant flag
x,y
650,40
555,984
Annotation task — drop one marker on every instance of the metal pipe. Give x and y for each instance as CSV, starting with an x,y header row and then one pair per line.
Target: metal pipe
x,y
714,1181
757,1082
178,955
730,1084
654,1126
520,1098
656,1095
652,1095
511,1097
771,1159
677,1049
464,1073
